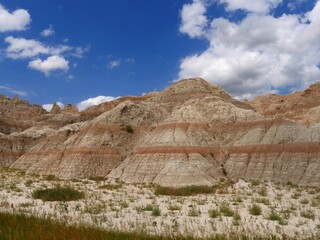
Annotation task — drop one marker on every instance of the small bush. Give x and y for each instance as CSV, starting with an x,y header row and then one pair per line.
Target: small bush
x,y
51,177
184,191
213,213
226,210
194,212
129,128
296,195
255,182
174,207
308,214
304,201
264,201
263,192
156,211
255,210
236,219
274,216
58,194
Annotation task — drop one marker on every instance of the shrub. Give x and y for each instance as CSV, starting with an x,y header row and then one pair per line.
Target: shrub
x,y
274,216
255,210
129,128
213,213
184,191
194,211
156,211
226,210
263,192
304,201
58,194
174,207
255,182
264,201
236,219
51,177
308,214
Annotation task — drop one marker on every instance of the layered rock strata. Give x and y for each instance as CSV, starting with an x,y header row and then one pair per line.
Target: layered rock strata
x,y
191,133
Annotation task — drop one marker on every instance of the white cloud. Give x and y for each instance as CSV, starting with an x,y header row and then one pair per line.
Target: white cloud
x,y
259,54
130,60
48,32
94,101
28,48
257,6
80,51
20,48
14,91
114,64
15,21
193,18
52,63
49,106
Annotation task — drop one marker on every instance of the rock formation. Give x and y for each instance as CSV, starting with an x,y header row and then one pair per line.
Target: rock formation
x,y
191,133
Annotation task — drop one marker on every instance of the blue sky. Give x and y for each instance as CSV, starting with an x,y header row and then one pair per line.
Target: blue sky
x,y
70,51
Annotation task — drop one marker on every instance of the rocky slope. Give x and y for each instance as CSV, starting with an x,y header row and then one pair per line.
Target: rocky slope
x,y
191,133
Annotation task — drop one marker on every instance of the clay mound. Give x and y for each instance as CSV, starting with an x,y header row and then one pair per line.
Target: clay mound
x,y
302,107
191,133
94,111
179,152
17,115
69,108
183,90
55,109
79,151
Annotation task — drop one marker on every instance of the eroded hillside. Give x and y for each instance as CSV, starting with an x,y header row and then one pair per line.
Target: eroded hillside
x,y
191,133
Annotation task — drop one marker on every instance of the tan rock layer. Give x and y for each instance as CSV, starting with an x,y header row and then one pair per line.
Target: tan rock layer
x,y
254,149
82,151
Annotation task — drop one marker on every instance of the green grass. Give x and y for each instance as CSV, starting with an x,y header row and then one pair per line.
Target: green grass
x,y
156,212
21,227
226,210
274,216
184,191
308,214
255,210
213,213
58,194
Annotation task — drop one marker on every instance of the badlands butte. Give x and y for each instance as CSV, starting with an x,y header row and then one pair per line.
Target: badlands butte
x,y
191,133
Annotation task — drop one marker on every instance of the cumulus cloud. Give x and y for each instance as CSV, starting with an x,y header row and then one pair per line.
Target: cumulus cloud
x,y
28,48
52,63
20,48
261,53
114,64
48,32
49,106
15,21
260,6
193,18
94,101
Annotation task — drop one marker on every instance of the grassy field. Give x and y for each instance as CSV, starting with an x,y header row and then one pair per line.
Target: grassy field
x,y
22,227
107,209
